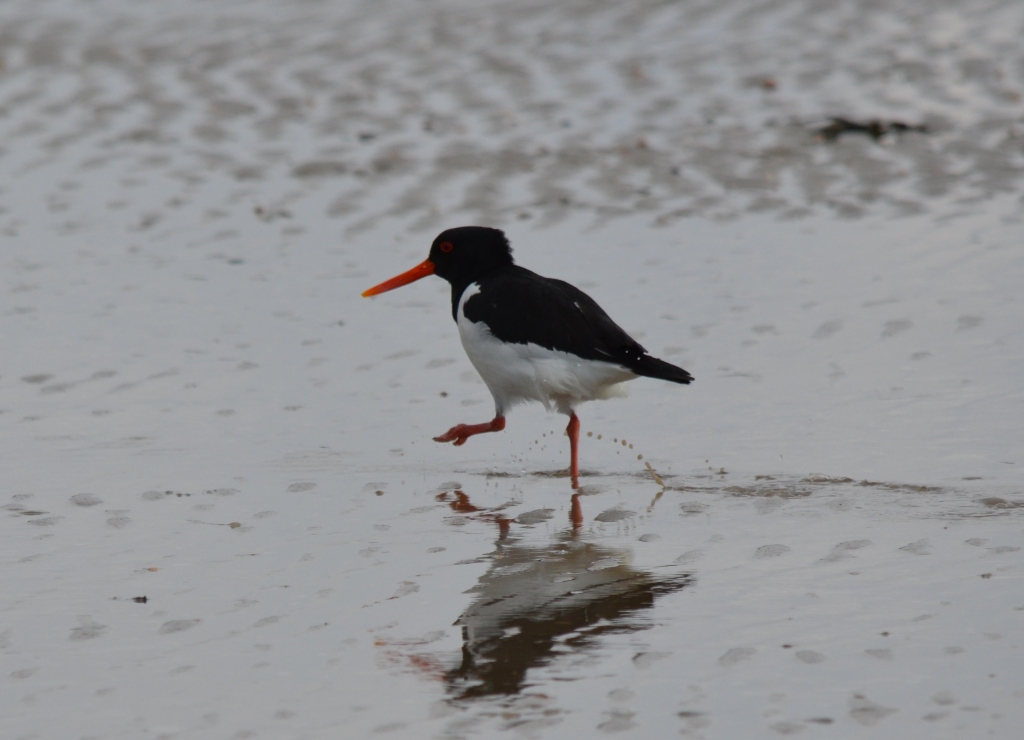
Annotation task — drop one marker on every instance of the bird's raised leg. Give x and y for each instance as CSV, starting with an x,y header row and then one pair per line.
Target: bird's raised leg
x,y
573,432
461,432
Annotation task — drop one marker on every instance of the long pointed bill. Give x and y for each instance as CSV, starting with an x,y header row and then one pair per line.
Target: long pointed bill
x,y
420,271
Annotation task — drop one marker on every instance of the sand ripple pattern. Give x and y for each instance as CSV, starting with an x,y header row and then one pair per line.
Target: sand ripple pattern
x,y
499,111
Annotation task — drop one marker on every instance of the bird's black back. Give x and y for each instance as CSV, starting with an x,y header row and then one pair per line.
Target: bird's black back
x,y
521,307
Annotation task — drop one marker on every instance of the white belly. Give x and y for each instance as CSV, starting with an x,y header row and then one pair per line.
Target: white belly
x,y
515,373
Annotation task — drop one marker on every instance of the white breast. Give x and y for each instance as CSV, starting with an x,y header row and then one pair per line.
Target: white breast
x,y
515,373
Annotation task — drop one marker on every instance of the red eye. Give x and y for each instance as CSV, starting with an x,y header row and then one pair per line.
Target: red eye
x,y
446,247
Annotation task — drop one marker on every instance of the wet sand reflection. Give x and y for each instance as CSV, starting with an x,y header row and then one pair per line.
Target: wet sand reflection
x,y
538,602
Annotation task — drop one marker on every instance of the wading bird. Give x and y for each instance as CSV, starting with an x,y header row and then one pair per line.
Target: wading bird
x,y
531,338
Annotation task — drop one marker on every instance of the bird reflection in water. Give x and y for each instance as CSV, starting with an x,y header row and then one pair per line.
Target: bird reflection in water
x,y
536,602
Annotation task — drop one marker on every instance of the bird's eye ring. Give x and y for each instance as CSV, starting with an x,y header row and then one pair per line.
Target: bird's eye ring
x,y
446,247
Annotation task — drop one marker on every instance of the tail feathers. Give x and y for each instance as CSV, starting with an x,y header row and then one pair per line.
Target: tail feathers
x,y
652,367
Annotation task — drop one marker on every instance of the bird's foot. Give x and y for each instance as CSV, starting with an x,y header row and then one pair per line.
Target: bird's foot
x,y
461,432
457,434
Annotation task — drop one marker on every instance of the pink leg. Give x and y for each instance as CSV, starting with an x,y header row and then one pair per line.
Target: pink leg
x,y
573,431
460,433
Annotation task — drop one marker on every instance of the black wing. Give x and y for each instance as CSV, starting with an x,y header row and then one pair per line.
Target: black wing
x,y
521,307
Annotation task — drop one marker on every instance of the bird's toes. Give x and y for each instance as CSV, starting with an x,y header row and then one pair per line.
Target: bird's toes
x,y
452,435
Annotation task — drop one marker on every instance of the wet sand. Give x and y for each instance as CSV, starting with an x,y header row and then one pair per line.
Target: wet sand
x,y
224,514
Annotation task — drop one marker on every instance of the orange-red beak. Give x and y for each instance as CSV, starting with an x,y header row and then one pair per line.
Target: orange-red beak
x,y
424,268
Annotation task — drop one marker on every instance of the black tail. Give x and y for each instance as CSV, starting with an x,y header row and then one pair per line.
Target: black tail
x,y
652,367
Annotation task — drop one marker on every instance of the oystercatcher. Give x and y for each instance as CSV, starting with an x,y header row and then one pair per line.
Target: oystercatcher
x,y
531,338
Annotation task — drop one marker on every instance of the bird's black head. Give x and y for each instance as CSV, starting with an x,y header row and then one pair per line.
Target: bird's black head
x,y
463,254
460,256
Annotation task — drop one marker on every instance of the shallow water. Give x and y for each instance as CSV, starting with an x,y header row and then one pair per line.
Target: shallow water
x,y
225,517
